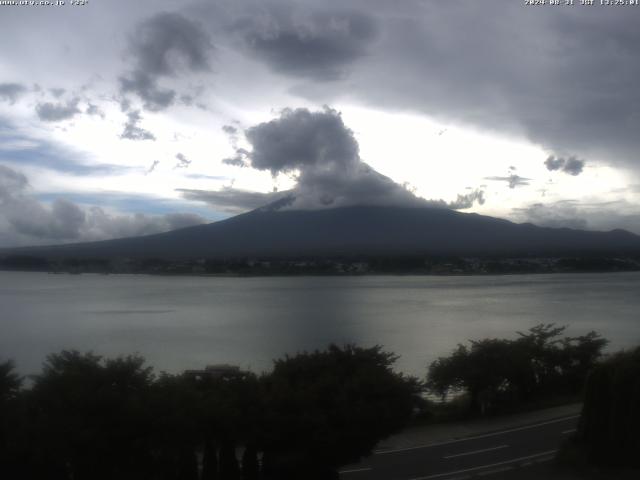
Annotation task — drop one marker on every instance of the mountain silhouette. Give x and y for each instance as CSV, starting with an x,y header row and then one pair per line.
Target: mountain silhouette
x,y
274,231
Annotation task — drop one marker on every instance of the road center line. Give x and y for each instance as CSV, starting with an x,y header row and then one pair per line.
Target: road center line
x,y
482,467
355,470
493,434
476,451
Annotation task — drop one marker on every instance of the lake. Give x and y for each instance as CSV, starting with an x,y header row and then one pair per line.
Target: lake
x,y
189,322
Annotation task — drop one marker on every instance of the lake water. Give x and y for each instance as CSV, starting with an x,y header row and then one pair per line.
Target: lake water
x,y
189,322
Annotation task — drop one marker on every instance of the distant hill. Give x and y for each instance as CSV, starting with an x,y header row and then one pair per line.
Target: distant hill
x,y
351,231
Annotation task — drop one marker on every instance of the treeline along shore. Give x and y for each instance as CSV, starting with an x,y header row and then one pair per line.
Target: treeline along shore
x,y
359,265
88,417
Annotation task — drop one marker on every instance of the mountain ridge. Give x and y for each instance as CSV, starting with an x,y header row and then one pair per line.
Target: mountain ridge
x,y
350,231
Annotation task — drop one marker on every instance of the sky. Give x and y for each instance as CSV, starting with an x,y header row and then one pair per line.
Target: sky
x,y
122,118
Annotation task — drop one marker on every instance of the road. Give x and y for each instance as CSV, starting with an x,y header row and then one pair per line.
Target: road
x,y
468,457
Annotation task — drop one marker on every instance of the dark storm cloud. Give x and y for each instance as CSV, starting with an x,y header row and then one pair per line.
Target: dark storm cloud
x,y
232,200
552,163
319,44
300,139
566,77
56,112
168,42
26,220
10,92
238,160
323,154
165,45
133,131
513,180
572,165
145,86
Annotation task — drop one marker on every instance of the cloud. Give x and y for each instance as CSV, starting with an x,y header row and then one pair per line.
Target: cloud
x,y
323,155
11,182
238,160
10,92
602,216
318,44
152,167
57,92
56,112
233,200
572,165
200,176
61,221
132,131
513,180
24,150
230,130
169,42
94,110
24,220
559,215
183,162
165,45
145,86
413,56
301,139
463,201
101,225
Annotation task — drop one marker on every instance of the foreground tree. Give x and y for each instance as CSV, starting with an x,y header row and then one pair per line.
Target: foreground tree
x,y
326,409
90,418
609,428
11,413
496,372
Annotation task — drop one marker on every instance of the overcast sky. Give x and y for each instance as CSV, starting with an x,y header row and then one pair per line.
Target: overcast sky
x,y
121,118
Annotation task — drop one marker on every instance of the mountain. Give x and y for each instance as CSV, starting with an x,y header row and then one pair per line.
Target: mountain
x,y
351,231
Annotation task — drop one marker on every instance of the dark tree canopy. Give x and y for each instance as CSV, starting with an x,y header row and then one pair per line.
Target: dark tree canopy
x,y
329,408
10,425
609,429
500,371
92,418
10,381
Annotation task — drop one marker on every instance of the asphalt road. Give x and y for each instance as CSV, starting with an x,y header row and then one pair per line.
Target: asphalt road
x,y
465,458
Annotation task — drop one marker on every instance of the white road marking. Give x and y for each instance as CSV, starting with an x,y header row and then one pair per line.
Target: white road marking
x,y
355,470
569,431
482,467
436,444
476,451
496,470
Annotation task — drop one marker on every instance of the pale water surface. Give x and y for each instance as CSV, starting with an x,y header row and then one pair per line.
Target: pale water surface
x,y
188,322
